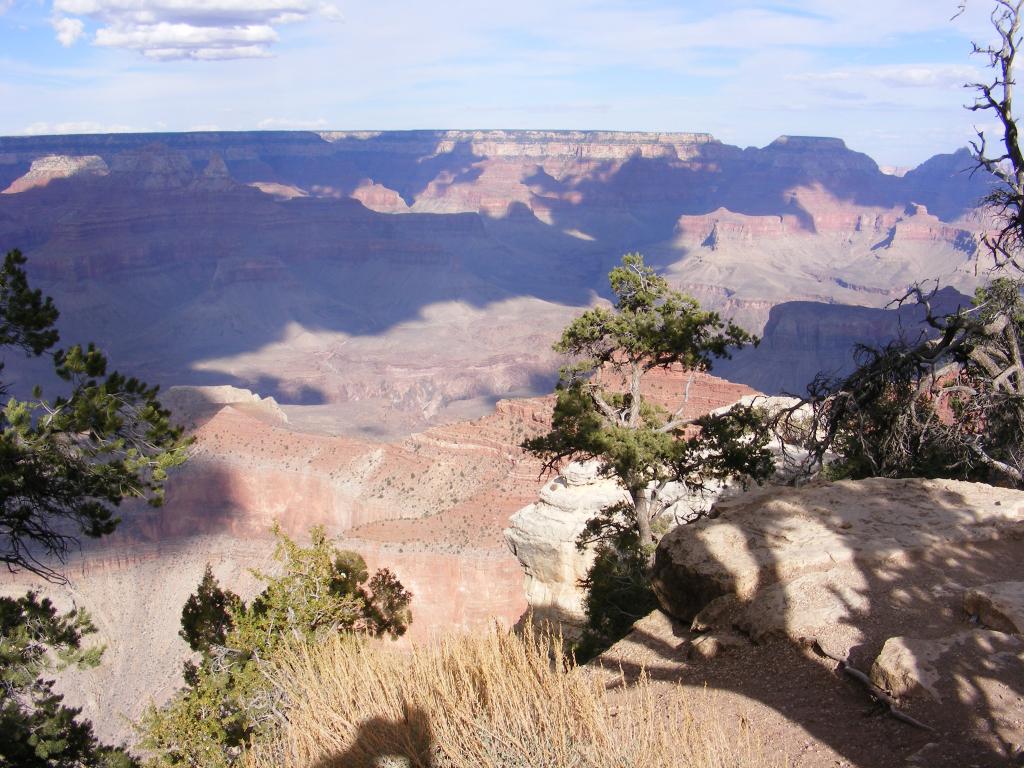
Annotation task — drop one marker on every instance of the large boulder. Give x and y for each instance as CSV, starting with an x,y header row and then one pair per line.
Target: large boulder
x,y
891,576
835,531
543,537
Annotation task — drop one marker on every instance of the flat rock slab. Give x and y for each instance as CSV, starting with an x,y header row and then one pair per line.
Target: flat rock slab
x,y
980,672
998,606
779,534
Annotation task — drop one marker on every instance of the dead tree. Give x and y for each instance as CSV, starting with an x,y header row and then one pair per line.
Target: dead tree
x,y
1006,201
950,402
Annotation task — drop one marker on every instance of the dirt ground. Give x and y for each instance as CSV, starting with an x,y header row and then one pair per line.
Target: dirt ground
x,y
799,709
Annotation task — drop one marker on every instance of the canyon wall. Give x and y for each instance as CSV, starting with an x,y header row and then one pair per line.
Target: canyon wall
x,y
410,278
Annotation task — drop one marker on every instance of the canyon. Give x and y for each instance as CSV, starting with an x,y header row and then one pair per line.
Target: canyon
x,y
356,327
410,278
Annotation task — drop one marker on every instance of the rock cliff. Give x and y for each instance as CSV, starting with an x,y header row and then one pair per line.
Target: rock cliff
x,y
224,249
45,169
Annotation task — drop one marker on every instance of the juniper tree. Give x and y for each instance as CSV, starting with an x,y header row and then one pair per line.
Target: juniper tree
x,y
228,699
601,411
206,615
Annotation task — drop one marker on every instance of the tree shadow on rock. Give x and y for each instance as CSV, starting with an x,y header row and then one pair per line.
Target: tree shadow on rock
x,y
850,594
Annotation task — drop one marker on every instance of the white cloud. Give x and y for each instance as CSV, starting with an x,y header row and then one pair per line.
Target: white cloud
x,y
84,126
897,76
287,124
328,11
68,30
186,29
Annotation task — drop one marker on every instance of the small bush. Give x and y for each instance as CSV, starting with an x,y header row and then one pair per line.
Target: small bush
x,y
618,589
228,702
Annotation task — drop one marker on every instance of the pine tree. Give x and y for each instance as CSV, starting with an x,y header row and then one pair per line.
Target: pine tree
x,y
206,617
601,411
36,729
65,465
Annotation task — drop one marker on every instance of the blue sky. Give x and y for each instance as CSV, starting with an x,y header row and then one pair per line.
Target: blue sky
x,y
885,76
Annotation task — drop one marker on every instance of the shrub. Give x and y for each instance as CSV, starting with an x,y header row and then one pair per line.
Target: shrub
x,y
229,701
492,700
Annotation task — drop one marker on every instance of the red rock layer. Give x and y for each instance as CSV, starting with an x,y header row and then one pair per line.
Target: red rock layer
x,y
431,507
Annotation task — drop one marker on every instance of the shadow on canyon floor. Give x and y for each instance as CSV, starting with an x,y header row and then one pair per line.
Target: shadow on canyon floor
x,y
918,595
167,278
802,339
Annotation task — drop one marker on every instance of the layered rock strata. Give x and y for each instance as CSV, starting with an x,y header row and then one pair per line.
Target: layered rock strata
x,y
343,257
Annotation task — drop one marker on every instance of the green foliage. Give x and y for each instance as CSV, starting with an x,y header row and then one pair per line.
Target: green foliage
x,y
26,319
651,324
638,442
617,587
228,699
206,617
36,729
66,464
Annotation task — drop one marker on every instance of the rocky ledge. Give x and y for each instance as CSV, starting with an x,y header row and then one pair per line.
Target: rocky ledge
x,y
912,584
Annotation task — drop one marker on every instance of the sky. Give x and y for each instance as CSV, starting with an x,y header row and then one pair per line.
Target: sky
x,y
886,76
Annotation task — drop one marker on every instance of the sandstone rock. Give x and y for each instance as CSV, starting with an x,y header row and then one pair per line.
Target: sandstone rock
x,y
379,198
939,667
543,537
998,606
279,191
187,403
581,472
153,167
713,644
776,535
874,572
215,176
45,169
816,607
906,665
724,227
717,613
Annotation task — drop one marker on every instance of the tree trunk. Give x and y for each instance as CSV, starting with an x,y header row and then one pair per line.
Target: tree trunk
x,y
642,506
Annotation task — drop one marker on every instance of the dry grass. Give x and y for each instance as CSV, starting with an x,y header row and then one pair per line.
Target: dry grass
x,y
493,700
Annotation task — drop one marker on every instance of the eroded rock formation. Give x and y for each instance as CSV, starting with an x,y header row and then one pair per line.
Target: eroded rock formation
x,y
410,278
